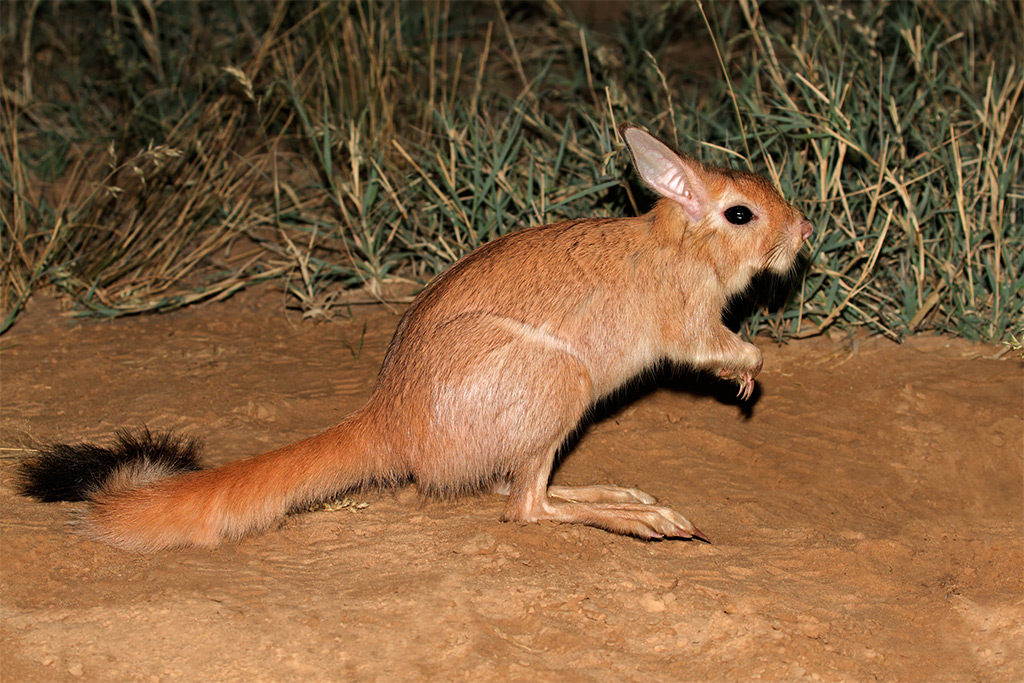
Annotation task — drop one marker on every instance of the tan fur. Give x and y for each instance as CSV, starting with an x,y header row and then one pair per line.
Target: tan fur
x,y
499,358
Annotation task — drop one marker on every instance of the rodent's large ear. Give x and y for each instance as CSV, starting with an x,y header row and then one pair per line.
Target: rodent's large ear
x,y
664,171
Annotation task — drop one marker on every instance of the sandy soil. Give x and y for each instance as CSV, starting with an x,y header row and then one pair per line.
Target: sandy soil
x,y
866,512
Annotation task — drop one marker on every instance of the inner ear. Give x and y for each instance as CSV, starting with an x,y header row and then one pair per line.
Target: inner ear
x,y
665,172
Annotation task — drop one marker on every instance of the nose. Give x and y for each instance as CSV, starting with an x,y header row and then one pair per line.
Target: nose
x,y
805,229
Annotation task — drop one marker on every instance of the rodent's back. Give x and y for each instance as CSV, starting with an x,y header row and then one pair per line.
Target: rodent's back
x,y
549,276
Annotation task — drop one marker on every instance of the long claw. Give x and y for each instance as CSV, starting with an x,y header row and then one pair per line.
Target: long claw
x,y
697,533
746,387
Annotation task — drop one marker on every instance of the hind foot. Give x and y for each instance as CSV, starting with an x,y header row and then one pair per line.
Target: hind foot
x,y
601,493
645,521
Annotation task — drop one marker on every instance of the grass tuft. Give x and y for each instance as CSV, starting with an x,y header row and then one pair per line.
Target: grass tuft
x,y
156,155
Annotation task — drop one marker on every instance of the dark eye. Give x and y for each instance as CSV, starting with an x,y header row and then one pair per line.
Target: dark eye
x,y
738,215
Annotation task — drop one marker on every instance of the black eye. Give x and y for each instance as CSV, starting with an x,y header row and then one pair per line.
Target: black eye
x,y
738,215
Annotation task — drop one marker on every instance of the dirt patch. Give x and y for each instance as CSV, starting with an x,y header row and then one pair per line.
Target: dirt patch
x,y
866,513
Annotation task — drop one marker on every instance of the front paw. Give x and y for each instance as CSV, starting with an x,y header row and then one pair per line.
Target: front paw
x,y
744,379
745,369
755,359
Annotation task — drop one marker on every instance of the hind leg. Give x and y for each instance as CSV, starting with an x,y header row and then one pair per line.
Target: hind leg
x,y
502,393
529,501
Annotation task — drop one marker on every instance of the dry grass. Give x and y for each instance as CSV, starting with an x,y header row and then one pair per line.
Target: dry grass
x,y
148,162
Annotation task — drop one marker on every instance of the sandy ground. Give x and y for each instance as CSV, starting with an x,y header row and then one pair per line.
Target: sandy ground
x,y
866,512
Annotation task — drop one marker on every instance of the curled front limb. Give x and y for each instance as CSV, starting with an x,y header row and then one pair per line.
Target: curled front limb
x,y
727,355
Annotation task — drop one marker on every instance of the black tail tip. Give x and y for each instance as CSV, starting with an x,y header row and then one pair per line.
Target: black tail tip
x,y
71,472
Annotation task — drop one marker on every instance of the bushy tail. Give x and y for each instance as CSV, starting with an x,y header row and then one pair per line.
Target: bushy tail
x,y
75,472
148,493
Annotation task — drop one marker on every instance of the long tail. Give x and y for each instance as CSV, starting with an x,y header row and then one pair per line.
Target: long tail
x,y
147,493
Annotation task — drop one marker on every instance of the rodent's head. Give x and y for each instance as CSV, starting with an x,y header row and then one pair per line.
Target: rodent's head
x,y
738,219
